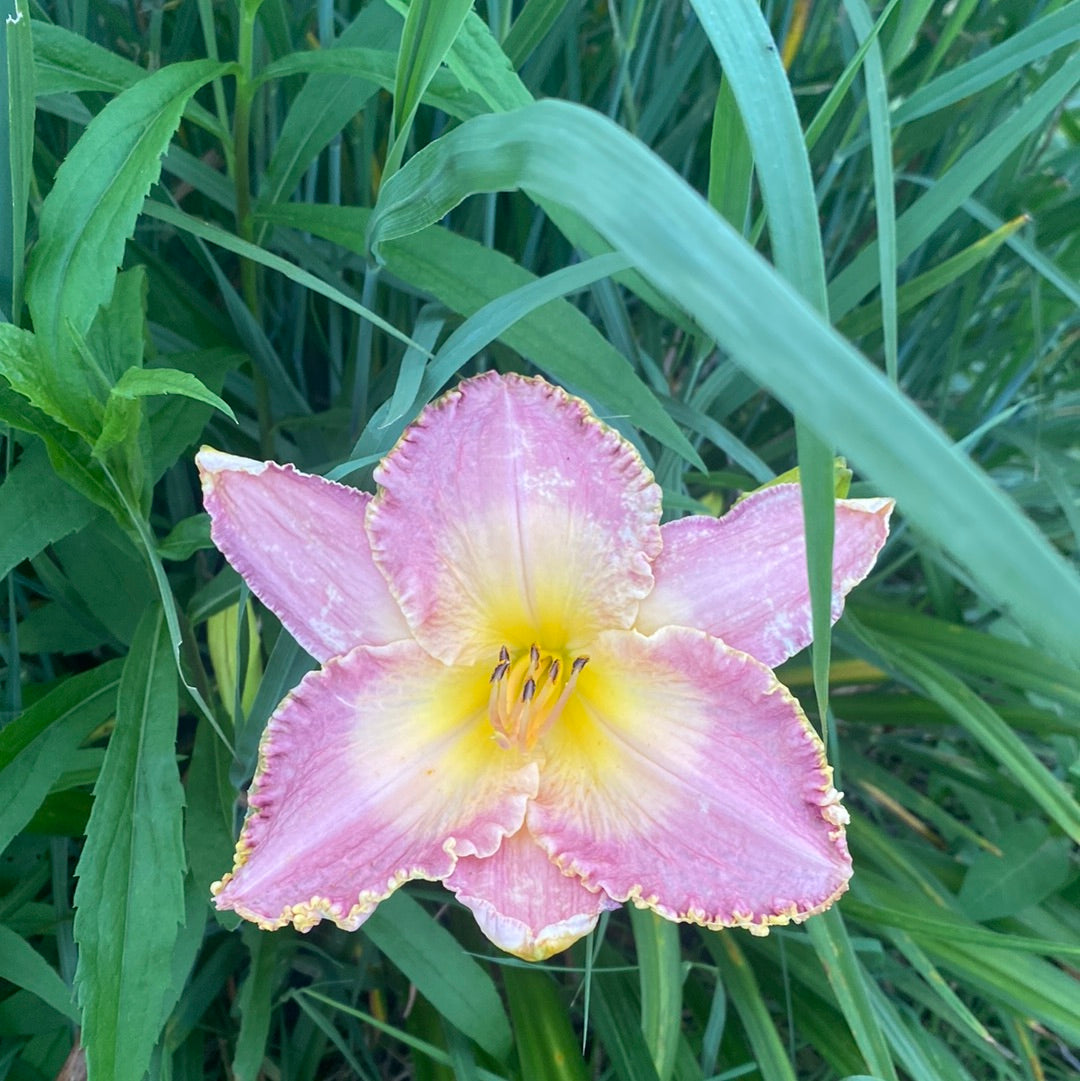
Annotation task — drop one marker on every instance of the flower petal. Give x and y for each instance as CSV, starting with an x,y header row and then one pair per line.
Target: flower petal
x,y
509,513
686,778
743,577
300,544
377,769
523,902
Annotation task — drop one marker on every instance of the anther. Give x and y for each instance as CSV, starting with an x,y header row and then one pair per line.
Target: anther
x,y
504,655
500,671
553,671
528,690
534,657
579,663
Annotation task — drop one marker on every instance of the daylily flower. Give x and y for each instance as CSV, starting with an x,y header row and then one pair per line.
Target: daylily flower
x,y
530,690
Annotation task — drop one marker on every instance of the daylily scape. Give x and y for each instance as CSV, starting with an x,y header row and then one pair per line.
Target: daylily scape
x,y
531,690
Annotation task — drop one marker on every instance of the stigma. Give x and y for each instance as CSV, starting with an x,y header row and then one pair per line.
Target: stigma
x,y
528,695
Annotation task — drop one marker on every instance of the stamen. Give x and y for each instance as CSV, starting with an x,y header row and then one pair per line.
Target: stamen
x,y
521,717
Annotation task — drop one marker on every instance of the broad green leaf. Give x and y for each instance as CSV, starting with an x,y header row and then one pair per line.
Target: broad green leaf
x,y
91,210
443,972
23,966
117,338
660,973
1030,867
37,508
130,897
188,536
685,249
36,746
138,383
68,453
547,1047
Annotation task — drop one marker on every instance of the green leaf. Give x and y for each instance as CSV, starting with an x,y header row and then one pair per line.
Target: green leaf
x,y
1031,866
130,897
851,987
661,975
1052,31
23,966
16,152
430,29
731,161
443,972
982,724
36,747
255,1001
465,276
744,993
326,104
188,536
122,412
919,222
547,1047
685,249
37,508
91,210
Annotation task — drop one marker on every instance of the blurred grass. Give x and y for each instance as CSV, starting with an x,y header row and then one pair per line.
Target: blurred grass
x,y
918,162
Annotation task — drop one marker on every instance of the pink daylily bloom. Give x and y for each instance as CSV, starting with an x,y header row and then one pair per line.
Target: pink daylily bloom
x,y
530,689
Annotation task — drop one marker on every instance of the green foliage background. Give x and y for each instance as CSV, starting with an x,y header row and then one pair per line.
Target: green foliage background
x,y
752,237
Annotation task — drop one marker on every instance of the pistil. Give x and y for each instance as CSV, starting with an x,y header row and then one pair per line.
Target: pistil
x,y
528,696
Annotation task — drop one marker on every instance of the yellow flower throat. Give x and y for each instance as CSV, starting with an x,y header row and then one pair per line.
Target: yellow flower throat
x,y
528,695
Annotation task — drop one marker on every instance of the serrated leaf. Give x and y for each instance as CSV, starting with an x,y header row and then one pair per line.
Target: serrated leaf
x,y
130,897
123,411
91,210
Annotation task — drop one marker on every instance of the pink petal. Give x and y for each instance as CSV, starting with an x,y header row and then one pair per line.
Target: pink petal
x,y
687,779
523,902
509,514
377,769
743,577
300,544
